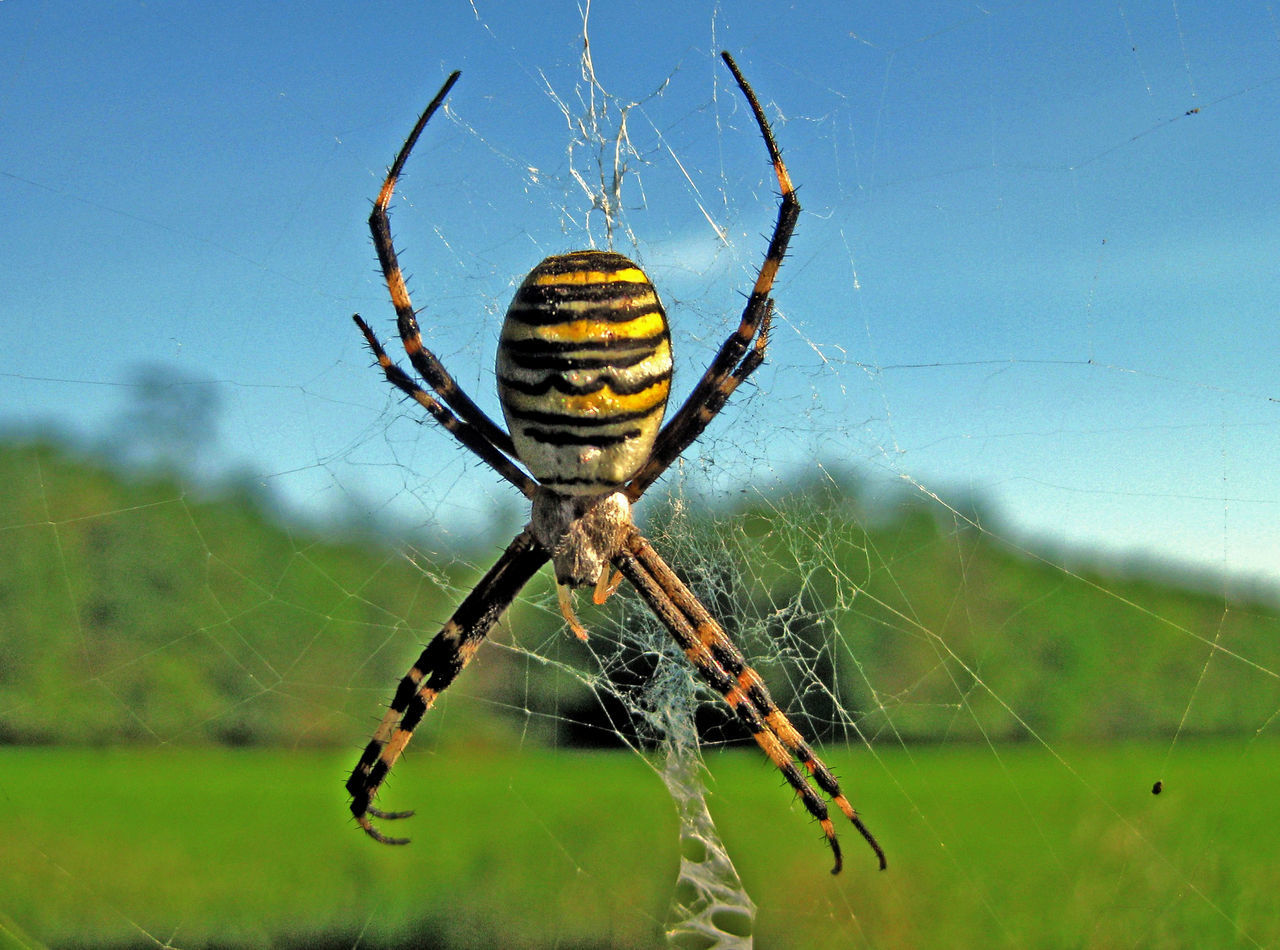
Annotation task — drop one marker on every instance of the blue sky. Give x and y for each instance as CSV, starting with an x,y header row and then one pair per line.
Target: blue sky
x,y
1028,268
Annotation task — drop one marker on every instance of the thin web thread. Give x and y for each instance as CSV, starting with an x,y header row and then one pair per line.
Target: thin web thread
x,y
710,906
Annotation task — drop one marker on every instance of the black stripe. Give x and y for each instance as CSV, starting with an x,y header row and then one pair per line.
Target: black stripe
x,y
588,260
568,421
560,384
759,695
615,302
563,437
377,775
531,291
728,655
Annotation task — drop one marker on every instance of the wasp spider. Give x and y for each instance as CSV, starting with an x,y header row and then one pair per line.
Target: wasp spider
x,y
584,368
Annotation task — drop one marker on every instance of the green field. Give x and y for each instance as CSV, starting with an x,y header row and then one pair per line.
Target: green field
x,y
1014,846
198,657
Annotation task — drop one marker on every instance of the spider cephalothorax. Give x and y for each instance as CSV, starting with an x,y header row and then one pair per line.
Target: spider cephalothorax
x,y
583,533
584,370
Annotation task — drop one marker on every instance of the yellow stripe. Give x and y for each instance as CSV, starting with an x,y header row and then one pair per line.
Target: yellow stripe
x,y
587,331
629,275
602,402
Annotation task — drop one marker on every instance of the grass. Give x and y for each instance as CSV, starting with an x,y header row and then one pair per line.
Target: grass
x,y
998,847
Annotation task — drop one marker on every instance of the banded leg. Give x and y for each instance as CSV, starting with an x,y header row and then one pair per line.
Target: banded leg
x,y
743,351
438,665
423,360
464,432
722,666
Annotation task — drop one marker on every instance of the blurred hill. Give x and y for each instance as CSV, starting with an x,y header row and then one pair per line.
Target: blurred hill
x,y
137,608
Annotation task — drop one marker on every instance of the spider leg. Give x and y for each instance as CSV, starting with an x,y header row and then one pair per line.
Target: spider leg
x,y
424,361
743,351
722,666
442,660
464,432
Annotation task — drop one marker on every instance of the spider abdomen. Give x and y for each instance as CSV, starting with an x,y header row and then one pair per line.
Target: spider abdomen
x,y
584,369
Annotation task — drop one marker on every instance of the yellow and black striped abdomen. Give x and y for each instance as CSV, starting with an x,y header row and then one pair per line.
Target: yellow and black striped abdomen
x,y
584,368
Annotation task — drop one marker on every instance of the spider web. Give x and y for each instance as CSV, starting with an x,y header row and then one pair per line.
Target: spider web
x,y
995,521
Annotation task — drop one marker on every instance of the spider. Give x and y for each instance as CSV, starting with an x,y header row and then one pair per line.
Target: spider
x,y
584,369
